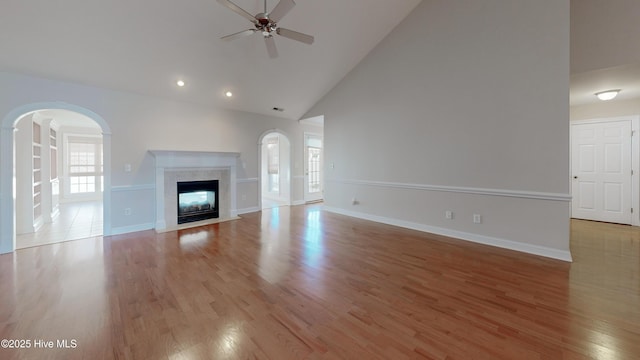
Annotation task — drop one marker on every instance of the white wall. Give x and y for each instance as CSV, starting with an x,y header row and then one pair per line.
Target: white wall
x,y
604,109
604,34
463,107
24,172
140,123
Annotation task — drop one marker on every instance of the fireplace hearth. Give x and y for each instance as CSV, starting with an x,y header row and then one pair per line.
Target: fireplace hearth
x,y
197,200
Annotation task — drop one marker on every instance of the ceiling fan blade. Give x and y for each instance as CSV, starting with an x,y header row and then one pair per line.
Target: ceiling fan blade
x,y
294,35
283,7
238,35
238,10
271,47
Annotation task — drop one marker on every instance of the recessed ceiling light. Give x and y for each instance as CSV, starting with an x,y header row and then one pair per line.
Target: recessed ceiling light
x,y
607,95
180,83
229,94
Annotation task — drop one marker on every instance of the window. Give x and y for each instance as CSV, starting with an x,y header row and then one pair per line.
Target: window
x,y
85,166
314,169
273,164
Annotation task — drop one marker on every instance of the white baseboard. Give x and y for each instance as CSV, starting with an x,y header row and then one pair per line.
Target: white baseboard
x,y
248,210
476,238
131,228
247,180
298,202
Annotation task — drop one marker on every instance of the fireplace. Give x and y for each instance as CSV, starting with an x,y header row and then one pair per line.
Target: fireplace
x,y
173,167
197,200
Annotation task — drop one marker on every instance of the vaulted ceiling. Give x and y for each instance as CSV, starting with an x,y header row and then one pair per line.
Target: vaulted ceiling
x,y
145,46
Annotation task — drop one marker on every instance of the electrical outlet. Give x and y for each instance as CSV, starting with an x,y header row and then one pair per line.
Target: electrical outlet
x,y
477,219
354,201
448,214
127,211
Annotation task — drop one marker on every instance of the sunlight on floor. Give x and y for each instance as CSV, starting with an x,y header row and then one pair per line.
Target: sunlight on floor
x,y
76,221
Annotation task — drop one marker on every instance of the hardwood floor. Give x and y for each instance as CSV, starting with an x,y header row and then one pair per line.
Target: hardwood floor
x,y
297,282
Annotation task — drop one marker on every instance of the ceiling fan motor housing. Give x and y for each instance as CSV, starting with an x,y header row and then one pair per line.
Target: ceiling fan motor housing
x,y
263,20
264,24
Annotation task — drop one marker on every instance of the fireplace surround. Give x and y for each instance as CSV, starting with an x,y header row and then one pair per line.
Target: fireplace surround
x,y
173,167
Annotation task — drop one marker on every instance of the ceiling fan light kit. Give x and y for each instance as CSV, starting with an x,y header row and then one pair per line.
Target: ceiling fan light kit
x,y
266,23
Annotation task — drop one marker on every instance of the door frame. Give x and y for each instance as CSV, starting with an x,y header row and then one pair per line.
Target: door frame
x,y
305,186
7,205
635,158
288,166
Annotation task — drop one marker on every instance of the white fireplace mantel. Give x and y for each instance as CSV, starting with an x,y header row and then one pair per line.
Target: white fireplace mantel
x,y
193,161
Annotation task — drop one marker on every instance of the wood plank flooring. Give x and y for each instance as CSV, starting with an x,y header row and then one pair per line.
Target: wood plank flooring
x,y
298,283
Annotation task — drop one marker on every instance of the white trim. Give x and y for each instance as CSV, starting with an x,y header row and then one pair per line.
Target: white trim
x,y
635,167
457,189
248,210
290,166
122,188
131,228
298,202
247,180
7,183
601,120
563,255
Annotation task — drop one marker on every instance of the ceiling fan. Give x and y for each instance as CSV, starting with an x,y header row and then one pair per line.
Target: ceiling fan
x,y
266,23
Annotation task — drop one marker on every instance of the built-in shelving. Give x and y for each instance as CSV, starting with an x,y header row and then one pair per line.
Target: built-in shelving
x,y
53,172
54,153
37,173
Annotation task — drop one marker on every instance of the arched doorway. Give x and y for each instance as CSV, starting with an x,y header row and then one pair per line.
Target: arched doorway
x,y
42,113
275,169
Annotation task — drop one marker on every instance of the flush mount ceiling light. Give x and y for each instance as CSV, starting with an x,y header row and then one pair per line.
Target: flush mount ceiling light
x,y
607,95
228,94
180,83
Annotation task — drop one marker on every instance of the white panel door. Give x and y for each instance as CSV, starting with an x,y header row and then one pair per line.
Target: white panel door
x,y
601,171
